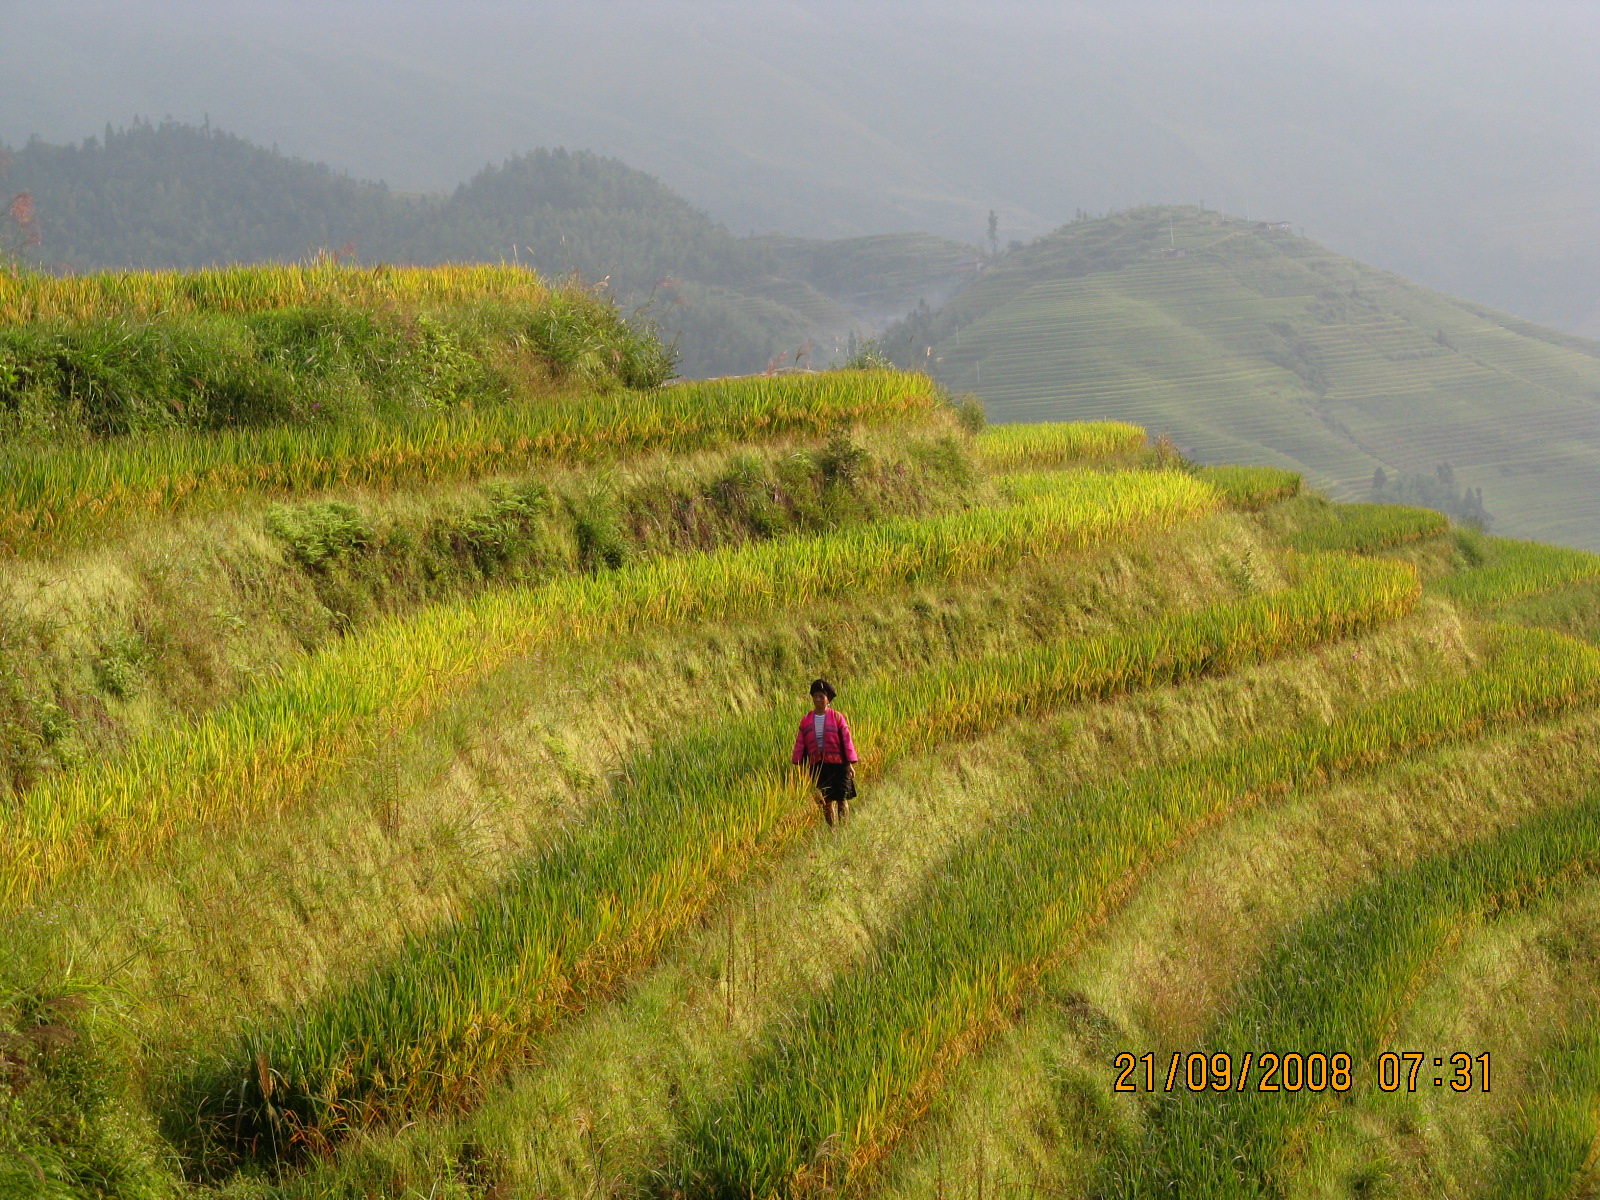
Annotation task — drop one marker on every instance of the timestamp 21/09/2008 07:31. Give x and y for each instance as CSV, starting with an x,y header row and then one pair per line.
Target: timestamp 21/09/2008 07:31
x,y
1294,1071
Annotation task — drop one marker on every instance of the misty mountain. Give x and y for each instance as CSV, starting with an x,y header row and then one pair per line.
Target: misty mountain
x,y
1453,143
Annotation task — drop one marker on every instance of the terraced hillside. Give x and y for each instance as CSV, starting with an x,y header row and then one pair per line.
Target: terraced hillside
x,y
1261,346
391,831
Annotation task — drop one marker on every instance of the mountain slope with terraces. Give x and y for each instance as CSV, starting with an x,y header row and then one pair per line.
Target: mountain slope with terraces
x,y
398,797
1247,342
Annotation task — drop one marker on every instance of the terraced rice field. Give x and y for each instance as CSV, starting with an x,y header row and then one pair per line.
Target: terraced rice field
x,y
1264,347
514,891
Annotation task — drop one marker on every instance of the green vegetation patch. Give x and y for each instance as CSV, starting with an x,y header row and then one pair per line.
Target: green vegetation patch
x,y
1365,528
1545,1151
1055,444
53,495
1497,571
66,1126
261,346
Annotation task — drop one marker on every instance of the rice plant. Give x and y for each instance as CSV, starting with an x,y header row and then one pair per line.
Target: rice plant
x,y
455,1005
30,298
1366,528
1055,443
270,749
1545,1150
1340,981
838,1085
1500,570
48,495
1252,488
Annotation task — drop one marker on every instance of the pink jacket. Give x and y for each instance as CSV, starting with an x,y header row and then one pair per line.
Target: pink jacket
x,y
837,743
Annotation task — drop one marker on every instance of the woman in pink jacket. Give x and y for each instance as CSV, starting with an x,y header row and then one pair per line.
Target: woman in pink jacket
x,y
825,746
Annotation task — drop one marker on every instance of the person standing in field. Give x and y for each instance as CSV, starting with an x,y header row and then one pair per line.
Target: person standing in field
x,y
825,746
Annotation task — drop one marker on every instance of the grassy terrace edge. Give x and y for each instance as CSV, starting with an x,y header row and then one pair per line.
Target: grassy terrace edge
x,y
57,493
1342,978
272,747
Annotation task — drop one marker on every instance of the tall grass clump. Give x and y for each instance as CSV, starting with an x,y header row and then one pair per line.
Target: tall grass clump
x,y
67,1128
1366,528
434,1024
835,1088
1340,980
52,494
1055,443
1250,489
270,748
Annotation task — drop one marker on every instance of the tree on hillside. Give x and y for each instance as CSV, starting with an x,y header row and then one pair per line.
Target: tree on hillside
x,y
21,228
1438,490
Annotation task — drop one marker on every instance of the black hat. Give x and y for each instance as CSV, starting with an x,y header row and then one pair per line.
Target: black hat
x,y
823,686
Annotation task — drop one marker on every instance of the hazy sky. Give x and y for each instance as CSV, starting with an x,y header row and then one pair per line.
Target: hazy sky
x,y
1455,142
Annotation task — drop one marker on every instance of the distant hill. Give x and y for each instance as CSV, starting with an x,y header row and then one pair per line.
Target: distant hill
x,y
177,195
1251,344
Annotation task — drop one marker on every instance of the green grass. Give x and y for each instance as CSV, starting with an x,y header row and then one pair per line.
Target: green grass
x,y
1498,571
431,1025
1340,981
239,290
865,1060
1546,1150
1267,348
88,357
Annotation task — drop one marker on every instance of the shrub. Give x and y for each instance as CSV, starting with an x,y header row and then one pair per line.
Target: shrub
x,y
120,664
503,528
317,535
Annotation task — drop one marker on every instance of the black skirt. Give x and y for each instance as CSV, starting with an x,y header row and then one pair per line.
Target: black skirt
x,y
831,779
